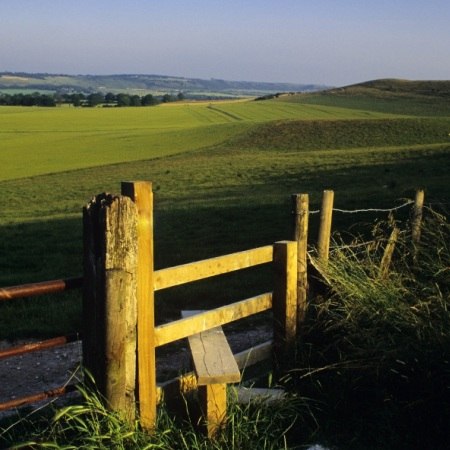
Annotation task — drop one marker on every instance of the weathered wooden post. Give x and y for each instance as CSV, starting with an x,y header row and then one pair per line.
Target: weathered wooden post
x,y
109,299
284,305
141,194
300,205
388,252
416,220
326,214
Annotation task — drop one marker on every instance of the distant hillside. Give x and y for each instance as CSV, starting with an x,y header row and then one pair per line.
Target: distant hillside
x,y
419,98
144,84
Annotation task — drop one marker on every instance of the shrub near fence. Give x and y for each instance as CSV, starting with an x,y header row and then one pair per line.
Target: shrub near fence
x,y
119,284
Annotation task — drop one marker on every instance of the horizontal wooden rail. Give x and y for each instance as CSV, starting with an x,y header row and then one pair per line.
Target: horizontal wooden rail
x,y
38,346
182,328
44,287
185,273
57,392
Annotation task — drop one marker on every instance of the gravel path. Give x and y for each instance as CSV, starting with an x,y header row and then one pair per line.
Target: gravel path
x,y
44,370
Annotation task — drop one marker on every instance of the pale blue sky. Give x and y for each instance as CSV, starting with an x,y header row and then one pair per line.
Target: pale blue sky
x,y
333,42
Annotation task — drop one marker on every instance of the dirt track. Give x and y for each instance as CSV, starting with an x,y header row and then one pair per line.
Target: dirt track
x,y
49,369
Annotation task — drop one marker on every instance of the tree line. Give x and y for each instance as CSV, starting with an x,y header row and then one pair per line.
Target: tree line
x,y
86,100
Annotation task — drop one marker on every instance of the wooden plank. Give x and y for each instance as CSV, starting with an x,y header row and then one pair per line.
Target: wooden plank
x,y
182,328
174,276
212,356
267,396
188,382
254,355
141,194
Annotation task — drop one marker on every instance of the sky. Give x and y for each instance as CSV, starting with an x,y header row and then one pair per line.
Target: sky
x,y
331,42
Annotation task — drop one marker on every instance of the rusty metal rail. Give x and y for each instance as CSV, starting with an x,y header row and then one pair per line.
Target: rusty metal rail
x,y
30,290
45,287
18,402
38,346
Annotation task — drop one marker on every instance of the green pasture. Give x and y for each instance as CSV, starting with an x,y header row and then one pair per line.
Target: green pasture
x,y
375,352
421,98
222,174
35,141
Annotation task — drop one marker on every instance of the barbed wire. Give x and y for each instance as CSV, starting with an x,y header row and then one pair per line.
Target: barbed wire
x,y
355,211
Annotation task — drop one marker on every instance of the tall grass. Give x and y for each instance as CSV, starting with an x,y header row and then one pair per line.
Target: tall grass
x,y
376,350
373,358
89,425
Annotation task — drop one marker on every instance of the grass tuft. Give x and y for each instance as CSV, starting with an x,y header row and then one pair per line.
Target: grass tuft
x,y
376,350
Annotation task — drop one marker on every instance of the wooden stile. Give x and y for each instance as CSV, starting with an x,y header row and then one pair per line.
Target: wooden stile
x,y
141,194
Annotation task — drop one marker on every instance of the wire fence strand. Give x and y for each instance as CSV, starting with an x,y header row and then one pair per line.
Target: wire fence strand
x,y
355,211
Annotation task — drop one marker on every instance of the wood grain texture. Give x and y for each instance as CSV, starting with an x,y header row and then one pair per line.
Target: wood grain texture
x,y
141,194
109,300
185,273
301,219
212,356
326,216
182,328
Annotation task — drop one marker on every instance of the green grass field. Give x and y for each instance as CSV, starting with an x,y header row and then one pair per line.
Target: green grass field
x,y
37,140
219,171
222,175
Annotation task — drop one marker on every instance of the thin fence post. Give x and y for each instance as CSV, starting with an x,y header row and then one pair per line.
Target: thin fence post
x,y
388,252
141,194
326,215
109,299
416,220
284,305
300,203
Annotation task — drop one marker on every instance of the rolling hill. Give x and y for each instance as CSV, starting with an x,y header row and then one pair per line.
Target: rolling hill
x,y
419,98
140,83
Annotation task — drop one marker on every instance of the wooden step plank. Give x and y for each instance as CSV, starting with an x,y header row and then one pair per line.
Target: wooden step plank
x,y
260,395
213,359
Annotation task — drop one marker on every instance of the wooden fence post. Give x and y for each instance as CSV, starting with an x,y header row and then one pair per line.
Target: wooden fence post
x,y
326,214
284,305
417,216
141,194
388,252
109,299
300,204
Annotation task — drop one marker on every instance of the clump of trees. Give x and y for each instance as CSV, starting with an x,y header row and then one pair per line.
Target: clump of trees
x,y
87,100
33,99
